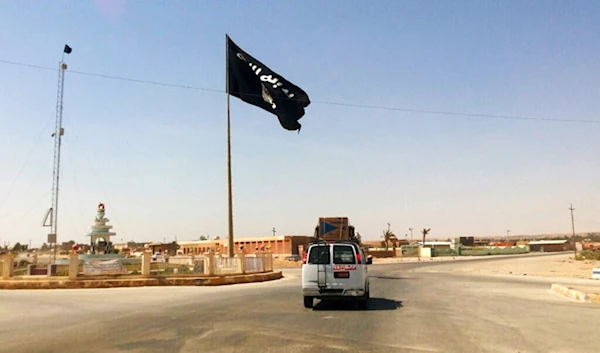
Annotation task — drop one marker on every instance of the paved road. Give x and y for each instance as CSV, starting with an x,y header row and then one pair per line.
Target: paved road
x,y
410,312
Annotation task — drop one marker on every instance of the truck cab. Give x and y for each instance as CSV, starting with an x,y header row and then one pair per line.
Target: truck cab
x,y
335,270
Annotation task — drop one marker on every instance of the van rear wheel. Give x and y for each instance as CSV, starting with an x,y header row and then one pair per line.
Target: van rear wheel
x,y
308,302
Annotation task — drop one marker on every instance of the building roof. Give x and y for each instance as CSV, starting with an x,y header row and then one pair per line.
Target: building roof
x,y
547,242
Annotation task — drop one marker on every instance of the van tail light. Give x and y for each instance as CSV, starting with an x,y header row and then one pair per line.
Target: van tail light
x,y
358,259
304,256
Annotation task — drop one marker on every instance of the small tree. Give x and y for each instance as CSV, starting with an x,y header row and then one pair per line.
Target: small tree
x,y
203,237
17,247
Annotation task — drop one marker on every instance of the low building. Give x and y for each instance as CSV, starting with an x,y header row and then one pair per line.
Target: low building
x,y
466,241
163,248
503,243
549,245
380,244
282,245
481,242
129,245
198,247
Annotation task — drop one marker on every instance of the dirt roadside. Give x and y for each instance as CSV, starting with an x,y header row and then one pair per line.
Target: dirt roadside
x,y
560,265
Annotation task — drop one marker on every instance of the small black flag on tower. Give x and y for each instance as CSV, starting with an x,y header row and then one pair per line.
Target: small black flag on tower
x,y
68,49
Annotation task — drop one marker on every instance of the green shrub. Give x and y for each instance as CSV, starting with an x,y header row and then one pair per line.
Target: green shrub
x,y
588,255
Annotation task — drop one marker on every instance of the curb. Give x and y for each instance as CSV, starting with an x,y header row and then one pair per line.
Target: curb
x,y
65,283
575,294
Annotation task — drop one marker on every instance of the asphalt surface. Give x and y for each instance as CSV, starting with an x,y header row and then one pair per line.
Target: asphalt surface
x,y
410,311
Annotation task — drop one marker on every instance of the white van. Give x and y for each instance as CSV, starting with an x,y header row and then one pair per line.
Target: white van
x,y
335,269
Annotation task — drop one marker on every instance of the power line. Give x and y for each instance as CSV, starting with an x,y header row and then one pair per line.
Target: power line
x,y
37,141
362,106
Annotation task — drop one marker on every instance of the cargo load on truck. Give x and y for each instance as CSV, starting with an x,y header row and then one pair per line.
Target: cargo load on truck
x,y
334,228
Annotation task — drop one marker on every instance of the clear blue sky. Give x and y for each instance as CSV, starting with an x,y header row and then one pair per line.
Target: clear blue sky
x,y
155,155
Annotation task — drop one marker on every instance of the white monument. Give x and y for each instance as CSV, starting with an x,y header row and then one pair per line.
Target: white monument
x,y
100,230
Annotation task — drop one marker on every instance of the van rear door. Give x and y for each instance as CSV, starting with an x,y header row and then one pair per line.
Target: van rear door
x,y
317,272
346,269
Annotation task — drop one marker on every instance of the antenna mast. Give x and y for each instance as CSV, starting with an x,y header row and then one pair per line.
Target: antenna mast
x,y
52,213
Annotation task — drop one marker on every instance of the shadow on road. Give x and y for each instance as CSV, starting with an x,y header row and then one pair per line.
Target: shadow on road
x,y
348,305
389,277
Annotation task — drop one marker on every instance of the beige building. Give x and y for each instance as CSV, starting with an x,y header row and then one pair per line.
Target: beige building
x,y
282,245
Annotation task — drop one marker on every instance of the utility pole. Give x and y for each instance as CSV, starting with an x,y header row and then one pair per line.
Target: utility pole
x,y
273,230
573,229
411,235
507,234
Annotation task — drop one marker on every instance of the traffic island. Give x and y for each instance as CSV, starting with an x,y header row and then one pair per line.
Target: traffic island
x,y
79,271
43,282
582,294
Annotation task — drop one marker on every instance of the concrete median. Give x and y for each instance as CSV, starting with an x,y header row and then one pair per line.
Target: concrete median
x,y
133,281
581,294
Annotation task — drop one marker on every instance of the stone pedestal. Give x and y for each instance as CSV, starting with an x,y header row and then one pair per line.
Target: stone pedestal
x,y
210,264
146,257
7,266
268,259
242,258
73,265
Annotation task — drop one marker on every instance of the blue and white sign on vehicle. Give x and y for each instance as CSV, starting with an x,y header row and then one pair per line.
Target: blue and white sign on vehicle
x,y
328,227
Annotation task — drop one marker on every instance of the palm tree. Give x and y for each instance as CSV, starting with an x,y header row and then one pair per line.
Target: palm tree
x,y
425,231
387,237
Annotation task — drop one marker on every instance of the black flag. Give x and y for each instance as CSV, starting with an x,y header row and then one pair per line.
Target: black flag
x,y
256,84
68,49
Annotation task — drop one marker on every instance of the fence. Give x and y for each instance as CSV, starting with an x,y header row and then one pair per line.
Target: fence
x,y
435,252
227,265
254,264
179,265
493,250
207,265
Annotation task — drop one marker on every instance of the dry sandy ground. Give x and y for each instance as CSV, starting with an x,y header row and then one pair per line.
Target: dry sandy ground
x,y
543,265
559,265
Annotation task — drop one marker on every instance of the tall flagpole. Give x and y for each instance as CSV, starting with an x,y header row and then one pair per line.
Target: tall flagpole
x,y
229,194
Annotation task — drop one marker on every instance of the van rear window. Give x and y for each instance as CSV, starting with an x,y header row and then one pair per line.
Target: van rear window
x,y
319,255
343,254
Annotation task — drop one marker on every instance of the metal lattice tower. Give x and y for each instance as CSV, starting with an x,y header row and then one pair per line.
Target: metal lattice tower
x,y
58,133
52,213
